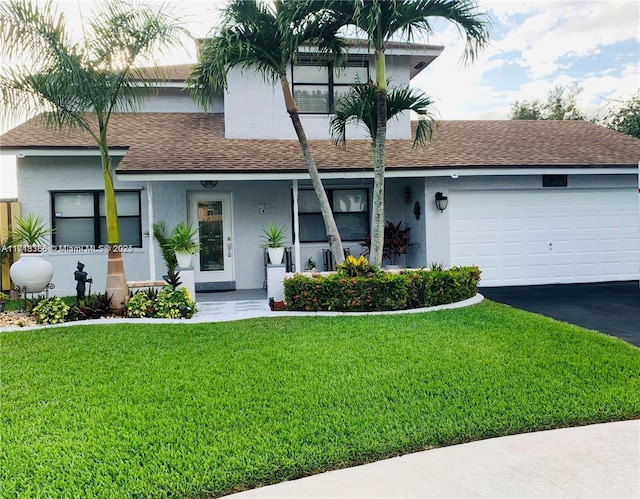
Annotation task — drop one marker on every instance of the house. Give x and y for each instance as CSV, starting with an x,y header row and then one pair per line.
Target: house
x,y
529,202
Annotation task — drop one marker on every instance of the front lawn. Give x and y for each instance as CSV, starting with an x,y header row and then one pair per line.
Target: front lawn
x,y
139,410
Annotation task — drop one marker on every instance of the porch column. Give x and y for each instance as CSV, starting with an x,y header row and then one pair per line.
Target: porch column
x,y
152,244
296,226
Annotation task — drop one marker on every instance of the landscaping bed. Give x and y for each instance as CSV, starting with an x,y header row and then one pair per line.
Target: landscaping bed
x,y
357,287
166,303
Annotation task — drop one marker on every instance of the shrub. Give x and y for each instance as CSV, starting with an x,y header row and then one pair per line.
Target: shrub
x,y
94,307
174,304
140,305
50,311
359,267
382,291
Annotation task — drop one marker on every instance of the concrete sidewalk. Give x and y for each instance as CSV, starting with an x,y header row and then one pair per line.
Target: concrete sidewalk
x,y
600,460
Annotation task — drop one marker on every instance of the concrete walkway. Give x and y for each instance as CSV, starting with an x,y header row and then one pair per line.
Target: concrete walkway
x,y
600,460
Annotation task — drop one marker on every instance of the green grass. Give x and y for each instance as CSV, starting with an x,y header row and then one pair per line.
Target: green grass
x,y
200,410
18,305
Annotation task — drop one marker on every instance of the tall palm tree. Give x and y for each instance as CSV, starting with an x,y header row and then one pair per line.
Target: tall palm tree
x,y
381,21
266,37
79,86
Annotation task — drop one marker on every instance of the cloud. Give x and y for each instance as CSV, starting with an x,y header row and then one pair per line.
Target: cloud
x,y
552,42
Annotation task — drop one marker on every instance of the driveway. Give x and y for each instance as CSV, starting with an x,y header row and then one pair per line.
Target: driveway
x,y
609,307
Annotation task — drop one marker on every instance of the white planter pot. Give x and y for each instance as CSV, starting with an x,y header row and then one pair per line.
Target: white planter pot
x,y
32,271
184,259
275,255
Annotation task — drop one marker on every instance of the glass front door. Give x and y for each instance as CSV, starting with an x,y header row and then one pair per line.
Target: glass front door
x,y
211,212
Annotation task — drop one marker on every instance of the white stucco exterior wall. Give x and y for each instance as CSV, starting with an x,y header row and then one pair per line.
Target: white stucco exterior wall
x,y
38,177
254,109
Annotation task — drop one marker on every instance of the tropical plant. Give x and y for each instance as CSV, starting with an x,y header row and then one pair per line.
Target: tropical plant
x,y
382,20
273,235
397,241
30,232
183,239
162,234
78,86
267,37
358,105
356,267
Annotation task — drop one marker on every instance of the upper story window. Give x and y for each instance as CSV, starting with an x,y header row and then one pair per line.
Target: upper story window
x,y
317,86
80,218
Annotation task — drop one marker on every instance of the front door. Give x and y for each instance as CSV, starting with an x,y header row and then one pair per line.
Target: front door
x,y
214,264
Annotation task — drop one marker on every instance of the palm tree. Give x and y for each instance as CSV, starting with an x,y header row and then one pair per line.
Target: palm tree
x,y
381,20
359,105
266,37
78,86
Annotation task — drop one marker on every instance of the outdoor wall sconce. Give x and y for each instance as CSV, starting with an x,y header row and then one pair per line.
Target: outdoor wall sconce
x,y
406,194
441,201
417,210
208,184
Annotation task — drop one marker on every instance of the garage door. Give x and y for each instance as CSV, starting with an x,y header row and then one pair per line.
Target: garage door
x,y
546,236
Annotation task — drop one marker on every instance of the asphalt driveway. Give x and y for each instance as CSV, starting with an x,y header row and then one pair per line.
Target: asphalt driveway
x,y
609,307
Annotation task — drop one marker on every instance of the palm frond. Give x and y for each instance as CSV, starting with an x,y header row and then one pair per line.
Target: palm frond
x,y
359,106
382,20
68,81
402,99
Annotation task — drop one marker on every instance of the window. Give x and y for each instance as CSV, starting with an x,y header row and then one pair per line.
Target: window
x,y
316,86
80,218
350,209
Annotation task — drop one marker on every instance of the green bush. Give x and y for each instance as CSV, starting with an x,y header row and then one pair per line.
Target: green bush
x,y
168,303
140,305
50,311
383,291
174,304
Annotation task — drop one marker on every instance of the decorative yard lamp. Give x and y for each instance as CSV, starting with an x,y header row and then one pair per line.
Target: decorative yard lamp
x,y
441,201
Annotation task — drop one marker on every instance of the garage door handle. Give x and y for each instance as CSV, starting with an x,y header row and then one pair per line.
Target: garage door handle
x,y
550,246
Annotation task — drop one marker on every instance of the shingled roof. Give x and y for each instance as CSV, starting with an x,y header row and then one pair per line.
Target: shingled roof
x,y
194,142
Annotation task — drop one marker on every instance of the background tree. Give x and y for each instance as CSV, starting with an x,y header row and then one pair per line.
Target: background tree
x,y
561,104
80,85
381,21
625,119
266,37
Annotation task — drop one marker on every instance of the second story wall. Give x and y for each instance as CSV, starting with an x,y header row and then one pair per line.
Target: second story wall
x,y
254,109
178,100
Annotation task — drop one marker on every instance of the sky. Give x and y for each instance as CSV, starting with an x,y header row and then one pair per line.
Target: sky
x,y
534,46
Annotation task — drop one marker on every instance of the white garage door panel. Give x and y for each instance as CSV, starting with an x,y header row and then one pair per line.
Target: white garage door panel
x,y
548,236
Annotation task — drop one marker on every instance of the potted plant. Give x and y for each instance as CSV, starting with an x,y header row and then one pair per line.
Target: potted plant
x,y
183,242
32,273
273,241
310,265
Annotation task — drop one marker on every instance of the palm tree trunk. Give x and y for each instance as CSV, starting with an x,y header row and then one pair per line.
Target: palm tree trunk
x,y
377,223
329,222
116,279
